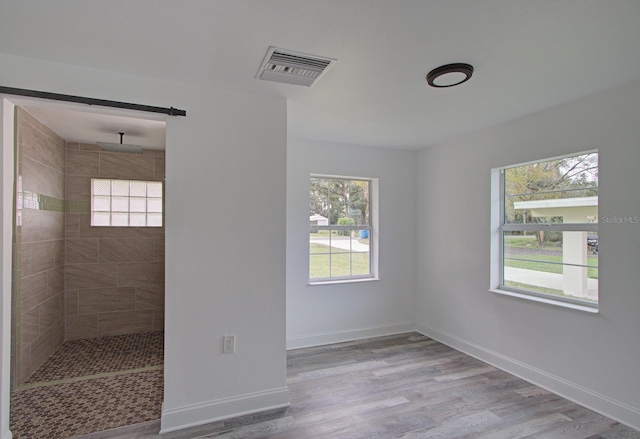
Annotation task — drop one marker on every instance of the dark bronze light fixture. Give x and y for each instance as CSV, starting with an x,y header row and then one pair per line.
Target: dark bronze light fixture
x,y
449,75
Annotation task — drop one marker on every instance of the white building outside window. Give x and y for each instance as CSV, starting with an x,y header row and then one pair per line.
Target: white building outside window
x,y
342,230
547,229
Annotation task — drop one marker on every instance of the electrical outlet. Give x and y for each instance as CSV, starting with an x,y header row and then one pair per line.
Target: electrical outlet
x,y
229,344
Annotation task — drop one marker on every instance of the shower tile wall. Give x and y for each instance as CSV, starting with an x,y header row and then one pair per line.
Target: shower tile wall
x,y
114,275
38,287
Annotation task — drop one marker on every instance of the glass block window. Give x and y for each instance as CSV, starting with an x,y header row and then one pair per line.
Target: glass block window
x,y
126,203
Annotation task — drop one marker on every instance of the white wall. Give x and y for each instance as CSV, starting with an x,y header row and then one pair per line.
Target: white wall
x,y
225,238
322,314
591,358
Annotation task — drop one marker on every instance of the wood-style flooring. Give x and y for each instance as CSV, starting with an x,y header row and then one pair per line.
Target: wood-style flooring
x,y
404,386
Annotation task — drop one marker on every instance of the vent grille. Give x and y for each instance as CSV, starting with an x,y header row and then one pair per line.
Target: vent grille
x,y
293,68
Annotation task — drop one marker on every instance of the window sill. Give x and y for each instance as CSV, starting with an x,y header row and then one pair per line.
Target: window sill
x,y
546,300
343,281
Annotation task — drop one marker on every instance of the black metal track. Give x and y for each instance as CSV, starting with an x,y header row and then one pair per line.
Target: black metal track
x,y
91,101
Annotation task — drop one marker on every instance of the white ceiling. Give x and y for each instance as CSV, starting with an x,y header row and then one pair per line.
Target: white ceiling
x,y
91,127
528,55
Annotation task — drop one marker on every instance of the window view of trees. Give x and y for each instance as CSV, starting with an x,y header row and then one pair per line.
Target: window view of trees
x,y
339,199
562,178
340,228
549,229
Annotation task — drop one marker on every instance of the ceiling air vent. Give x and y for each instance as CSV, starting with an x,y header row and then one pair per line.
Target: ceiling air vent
x,y
293,67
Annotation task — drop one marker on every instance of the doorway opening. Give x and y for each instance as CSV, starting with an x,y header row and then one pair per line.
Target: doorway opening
x,y
87,302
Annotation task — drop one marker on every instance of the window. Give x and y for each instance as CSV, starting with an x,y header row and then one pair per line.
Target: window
x,y
548,229
341,229
126,203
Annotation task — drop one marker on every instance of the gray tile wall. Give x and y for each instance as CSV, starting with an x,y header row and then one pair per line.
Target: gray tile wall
x,y
38,287
114,276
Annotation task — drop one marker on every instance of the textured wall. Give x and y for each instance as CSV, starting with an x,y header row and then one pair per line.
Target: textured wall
x,y
114,275
39,238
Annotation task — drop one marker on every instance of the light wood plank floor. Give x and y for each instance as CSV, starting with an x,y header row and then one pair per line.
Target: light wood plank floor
x,y
405,386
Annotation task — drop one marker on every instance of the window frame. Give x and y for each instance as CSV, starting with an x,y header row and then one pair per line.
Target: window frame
x,y
94,196
371,227
499,227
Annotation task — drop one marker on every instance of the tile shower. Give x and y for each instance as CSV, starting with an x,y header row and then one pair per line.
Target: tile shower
x,y
72,281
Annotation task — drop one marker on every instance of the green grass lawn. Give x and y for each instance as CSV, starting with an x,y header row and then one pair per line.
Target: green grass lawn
x,y
549,263
529,241
547,259
326,261
321,233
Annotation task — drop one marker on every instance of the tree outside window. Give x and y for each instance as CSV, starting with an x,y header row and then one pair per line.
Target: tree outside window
x,y
549,228
340,238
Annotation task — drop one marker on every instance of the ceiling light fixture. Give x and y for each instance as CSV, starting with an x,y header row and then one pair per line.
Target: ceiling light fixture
x,y
449,75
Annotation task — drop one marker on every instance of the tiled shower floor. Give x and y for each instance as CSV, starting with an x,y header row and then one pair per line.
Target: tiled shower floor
x,y
91,385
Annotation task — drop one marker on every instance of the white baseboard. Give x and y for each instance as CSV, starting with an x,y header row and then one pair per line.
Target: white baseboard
x,y
616,410
309,340
218,410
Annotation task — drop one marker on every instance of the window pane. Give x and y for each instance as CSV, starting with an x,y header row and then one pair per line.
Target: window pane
x,y
101,218
138,204
360,264
120,204
154,220
554,191
102,204
559,263
320,242
359,201
138,219
119,219
120,187
138,189
360,241
340,264
101,187
154,205
337,203
319,266
154,189
341,240
319,202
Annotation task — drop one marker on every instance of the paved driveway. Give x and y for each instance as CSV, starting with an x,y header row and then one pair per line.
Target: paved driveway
x,y
341,242
545,280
